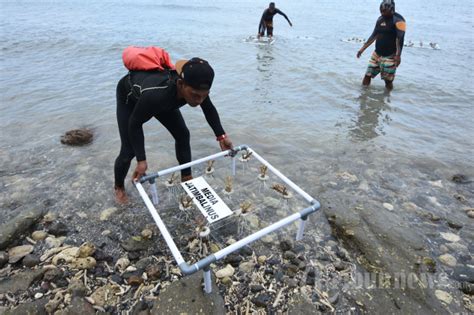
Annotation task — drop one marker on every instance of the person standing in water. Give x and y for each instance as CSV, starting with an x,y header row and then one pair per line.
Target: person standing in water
x,y
142,95
266,22
388,35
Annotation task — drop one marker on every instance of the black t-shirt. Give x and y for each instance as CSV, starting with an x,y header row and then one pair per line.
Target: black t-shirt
x,y
387,31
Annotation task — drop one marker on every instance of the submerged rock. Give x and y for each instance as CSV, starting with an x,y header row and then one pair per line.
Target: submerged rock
x,y
3,259
448,260
461,179
444,296
451,237
77,137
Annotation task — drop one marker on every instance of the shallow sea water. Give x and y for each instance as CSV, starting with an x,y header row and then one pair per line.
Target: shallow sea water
x,y
298,102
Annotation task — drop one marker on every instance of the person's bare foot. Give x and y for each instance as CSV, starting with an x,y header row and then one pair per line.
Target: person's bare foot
x,y
186,178
120,195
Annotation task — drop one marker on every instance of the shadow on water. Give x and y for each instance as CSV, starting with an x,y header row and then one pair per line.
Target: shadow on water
x,y
372,115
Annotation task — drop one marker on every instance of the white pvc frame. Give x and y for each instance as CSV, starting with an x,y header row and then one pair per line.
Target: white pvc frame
x,y
204,263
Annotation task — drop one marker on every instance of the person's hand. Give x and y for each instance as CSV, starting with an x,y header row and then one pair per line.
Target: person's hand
x,y
226,144
359,53
291,24
398,60
139,171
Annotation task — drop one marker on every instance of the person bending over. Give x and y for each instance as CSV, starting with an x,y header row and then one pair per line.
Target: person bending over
x,y
142,95
266,22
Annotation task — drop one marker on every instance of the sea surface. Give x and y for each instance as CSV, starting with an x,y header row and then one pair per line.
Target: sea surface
x,y
297,102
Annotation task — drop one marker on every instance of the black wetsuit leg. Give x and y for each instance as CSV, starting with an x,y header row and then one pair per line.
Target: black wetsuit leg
x,y
125,105
174,122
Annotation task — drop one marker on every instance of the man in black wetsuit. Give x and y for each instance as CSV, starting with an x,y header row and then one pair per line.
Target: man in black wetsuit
x,y
388,35
142,95
266,22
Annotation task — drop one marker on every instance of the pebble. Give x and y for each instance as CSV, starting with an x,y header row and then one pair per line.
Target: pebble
x,y
85,250
247,267
470,213
153,271
122,264
18,252
227,281
30,260
38,295
52,242
39,235
436,183
233,259
388,206
227,271
3,258
451,237
135,280
262,259
447,260
83,263
286,245
105,214
256,288
246,251
444,296
105,232
49,217
262,300
58,229
147,234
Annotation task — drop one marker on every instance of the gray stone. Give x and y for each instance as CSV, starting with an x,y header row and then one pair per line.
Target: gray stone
x,y
448,260
30,308
18,252
187,297
20,281
58,229
11,230
78,306
467,288
302,307
30,260
135,244
144,263
262,300
3,259
463,273
52,274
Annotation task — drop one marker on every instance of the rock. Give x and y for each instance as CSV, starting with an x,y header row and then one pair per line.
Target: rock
x,y
463,273
3,259
436,183
11,230
256,288
58,229
470,213
448,260
50,217
116,278
52,242
286,245
262,259
273,261
39,235
153,271
228,271
135,280
246,251
81,214
214,248
289,255
226,281
262,300
454,224
233,259
53,304
20,281
443,296
388,206
106,232
185,297
30,260
144,262
443,249
52,275
105,214
460,179
135,243
457,247
86,250
18,252
83,263
77,288
77,137
467,288
451,237
78,306
38,295
100,255
122,264
291,283
147,234
36,307
65,256
106,295
247,267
